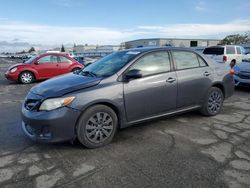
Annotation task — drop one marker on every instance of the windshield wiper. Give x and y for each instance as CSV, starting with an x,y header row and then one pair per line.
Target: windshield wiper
x,y
89,73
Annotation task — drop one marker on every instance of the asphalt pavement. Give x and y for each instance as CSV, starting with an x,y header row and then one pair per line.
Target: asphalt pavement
x,y
187,150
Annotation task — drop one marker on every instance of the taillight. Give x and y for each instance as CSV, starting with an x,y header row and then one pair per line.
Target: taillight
x,y
231,72
224,58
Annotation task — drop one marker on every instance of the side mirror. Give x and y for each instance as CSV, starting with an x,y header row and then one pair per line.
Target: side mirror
x,y
36,63
133,74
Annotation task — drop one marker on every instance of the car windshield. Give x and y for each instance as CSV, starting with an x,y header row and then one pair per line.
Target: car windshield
x,y
109,65
29,61
214,51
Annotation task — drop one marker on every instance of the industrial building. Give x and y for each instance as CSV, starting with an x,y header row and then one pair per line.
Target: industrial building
x,y
171,42
94,51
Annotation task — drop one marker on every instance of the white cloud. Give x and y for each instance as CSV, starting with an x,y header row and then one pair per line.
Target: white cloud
x,y
56,35
199,30
200,6
45,34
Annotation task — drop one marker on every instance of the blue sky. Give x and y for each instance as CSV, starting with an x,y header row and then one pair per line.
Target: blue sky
x,y
114,21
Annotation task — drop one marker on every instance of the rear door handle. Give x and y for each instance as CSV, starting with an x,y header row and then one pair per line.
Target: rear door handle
x,y
206,73
170,79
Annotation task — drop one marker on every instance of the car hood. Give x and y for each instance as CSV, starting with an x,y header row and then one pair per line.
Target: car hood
x,y
244,66
62,85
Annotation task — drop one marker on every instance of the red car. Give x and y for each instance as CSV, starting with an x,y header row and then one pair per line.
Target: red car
x,y
42,67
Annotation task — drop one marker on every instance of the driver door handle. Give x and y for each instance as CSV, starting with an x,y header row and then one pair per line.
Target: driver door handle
x,y
171,79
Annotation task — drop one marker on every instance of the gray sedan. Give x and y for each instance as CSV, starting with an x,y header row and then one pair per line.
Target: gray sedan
x,y
122,89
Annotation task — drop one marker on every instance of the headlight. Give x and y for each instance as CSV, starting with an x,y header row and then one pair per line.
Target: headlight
x,y
13,69
51,104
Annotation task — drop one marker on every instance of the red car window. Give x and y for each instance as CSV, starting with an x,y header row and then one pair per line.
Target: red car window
x,y
48,59
64,59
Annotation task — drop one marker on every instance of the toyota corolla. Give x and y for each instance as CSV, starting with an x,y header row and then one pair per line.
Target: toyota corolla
x,y
122,89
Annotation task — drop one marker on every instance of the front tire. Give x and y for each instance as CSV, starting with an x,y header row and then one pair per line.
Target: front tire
x,y
213,102
97,126
26,77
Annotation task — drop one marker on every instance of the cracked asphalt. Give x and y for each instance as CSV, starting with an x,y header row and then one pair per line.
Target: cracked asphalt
x,y
188,150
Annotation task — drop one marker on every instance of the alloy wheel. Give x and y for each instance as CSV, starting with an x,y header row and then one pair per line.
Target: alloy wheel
x,y
26,77
215,102
99,127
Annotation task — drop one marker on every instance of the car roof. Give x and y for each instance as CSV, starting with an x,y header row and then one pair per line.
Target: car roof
x,y
148,49
216,46
53,53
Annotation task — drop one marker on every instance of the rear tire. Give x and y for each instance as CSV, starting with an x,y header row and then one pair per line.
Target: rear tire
x,y
26,77
213,102
97,126
232,63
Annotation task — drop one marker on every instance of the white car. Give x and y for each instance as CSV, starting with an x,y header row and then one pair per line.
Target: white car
x,y
230,54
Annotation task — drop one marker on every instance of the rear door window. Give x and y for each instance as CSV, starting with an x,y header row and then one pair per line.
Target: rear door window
x,y
185,60
230,50
214,51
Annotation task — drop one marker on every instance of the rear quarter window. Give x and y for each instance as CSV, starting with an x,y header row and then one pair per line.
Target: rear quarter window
x,y
202,61
64,59
238,50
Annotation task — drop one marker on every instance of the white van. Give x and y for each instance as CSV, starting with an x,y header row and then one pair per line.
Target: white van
x,y
230,54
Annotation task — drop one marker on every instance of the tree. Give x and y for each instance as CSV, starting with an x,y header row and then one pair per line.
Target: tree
x,y
235,39
122,46
74,48
32,49
62,48
127,46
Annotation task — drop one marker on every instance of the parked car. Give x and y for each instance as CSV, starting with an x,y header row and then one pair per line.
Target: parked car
x,y
229,54
86,61
42,67
122,89
242,73
80,60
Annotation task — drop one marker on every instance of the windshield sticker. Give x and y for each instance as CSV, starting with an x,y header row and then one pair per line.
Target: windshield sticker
x,y
133,52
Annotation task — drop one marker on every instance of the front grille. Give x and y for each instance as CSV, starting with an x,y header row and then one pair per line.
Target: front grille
x,y
244,75
32,104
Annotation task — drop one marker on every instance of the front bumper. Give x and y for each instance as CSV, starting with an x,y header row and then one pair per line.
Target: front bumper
x,y
50,126
11,76
241,81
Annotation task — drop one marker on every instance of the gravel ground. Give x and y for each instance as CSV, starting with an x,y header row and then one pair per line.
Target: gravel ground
x,y
188,150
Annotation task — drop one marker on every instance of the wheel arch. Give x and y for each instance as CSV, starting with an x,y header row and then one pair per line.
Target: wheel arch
x,y
28,70
220,86
109,104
